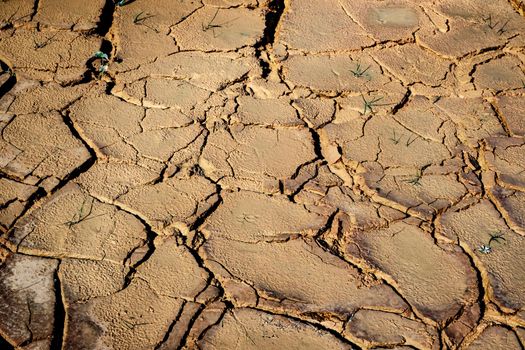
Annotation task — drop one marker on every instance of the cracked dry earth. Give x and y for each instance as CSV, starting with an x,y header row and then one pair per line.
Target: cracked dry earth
x,y
251,174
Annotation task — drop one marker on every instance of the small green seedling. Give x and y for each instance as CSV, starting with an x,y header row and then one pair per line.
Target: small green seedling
x,y
411,140
395,140
416,180
120,2
140,19
247,218
494,237
82,214
39,45
485,249
132,325
104,61
488,21
503,28
102,70
359,72
493,25
8,23
102,55
369,105
210,24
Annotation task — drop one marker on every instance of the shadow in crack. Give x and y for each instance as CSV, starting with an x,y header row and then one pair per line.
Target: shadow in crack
x,y
7,78
4,344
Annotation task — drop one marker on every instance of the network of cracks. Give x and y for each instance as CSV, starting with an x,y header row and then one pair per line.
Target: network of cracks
x,y
256,174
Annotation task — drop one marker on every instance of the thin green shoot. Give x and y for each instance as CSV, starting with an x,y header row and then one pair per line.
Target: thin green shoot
x,y
395,140
359,72
416,180
368,106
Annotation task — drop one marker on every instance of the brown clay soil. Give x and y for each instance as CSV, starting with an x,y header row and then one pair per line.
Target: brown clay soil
x,y
262,174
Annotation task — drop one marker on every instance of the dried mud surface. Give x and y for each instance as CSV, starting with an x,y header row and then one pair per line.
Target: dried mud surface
x,y
262,174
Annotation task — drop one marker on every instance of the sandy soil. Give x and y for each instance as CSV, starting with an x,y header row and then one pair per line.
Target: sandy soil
x,y
262,174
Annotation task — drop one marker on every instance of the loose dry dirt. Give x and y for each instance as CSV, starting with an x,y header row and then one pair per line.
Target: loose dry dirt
x,y
262,174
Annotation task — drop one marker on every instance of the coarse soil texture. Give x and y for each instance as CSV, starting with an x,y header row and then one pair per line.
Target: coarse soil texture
x,y
262,174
